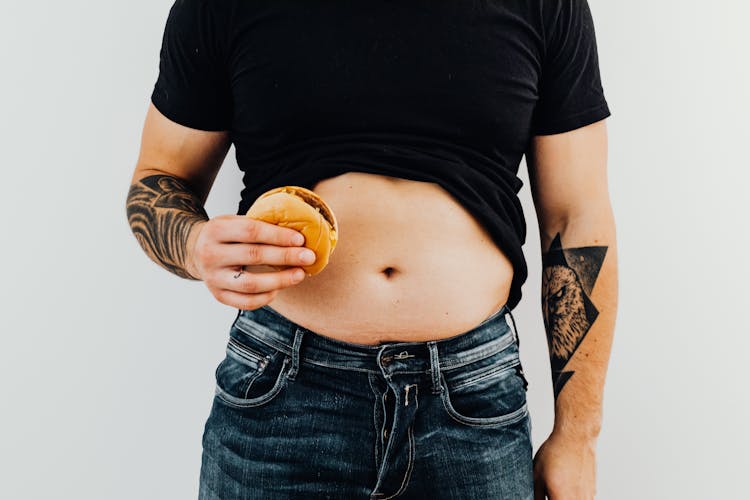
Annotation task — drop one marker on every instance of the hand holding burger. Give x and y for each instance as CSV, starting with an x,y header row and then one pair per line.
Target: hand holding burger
x,y
301,209
266,236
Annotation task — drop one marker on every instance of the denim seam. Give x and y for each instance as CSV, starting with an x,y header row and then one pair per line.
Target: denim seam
x,y
245,350
204,483
488,373
507,419
260,400
386,446
257,370
382,430
244,360
251,330
445,363
338,367
434,370
374,420
448,365
281,347
295,354
408,372
412,445
310,361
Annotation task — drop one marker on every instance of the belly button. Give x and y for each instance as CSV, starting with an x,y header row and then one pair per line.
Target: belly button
x,y
389,271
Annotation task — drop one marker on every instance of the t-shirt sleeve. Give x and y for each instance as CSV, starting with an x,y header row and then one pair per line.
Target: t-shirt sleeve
x,y
570,89
193,87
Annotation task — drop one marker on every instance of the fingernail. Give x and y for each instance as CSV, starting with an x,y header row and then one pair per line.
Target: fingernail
x,y
308,256
298,275
298,239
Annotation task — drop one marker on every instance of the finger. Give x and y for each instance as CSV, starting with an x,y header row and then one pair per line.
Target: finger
x,y
244,301
249,254
254,283
242,229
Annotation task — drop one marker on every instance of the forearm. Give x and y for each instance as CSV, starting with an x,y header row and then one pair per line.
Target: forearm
x,y
164,214
579,304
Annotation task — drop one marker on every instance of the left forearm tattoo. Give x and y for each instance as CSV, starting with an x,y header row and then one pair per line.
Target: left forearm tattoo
x,y
568,276
162,210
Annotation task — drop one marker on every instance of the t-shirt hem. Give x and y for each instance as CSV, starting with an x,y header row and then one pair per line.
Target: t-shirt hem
x,y
177,114
575,121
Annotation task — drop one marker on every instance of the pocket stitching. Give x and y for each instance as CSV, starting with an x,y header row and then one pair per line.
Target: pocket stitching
x,y
247,327
506,365
260,400
506,419
246,352
242,360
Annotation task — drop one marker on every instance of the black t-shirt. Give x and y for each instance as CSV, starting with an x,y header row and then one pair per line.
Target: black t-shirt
x,y
443,91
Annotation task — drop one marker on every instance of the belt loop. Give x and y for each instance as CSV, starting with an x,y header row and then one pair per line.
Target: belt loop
x,y
437,388
295,353
515,330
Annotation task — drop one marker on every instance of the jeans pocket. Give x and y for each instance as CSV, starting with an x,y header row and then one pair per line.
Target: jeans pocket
x,y
491,395
252,372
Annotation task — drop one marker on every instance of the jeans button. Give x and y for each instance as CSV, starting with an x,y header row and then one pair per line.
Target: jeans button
x,y
385,360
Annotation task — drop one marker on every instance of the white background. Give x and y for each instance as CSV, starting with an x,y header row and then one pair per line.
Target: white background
x,y
108,361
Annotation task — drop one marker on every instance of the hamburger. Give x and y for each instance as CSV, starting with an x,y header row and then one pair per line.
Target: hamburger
x,y
302,210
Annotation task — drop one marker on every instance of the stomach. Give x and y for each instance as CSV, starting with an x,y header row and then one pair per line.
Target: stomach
x,y
411,265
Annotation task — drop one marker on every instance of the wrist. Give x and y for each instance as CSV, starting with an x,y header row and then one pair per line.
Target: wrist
x,y
190,264
577,430
578,415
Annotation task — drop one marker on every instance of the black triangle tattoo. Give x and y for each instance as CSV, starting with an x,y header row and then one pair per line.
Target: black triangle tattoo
x,y
568,278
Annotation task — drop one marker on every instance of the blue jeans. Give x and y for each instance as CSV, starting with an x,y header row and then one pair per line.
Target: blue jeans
x,y
300,415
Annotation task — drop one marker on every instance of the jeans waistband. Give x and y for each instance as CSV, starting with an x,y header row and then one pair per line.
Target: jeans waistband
x,y
271,327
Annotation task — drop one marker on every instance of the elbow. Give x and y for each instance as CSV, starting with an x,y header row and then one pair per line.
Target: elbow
x,y
589,216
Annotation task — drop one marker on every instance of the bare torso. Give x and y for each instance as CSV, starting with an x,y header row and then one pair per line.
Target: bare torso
x,y
411,264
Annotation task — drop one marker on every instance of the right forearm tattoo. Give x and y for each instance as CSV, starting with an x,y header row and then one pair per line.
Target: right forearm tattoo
x,y
161,211
568,278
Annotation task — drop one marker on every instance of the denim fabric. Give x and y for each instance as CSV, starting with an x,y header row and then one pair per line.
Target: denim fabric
x,y
300,415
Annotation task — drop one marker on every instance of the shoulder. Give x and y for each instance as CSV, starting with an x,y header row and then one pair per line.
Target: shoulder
x,y
559,16
202,8
202,21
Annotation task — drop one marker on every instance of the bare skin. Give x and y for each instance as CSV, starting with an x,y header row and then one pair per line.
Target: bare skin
x,y
411,265
568,174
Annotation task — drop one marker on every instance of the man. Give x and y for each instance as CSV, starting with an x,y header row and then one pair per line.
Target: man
x,y
217,86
